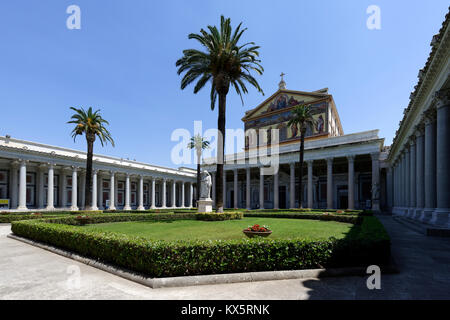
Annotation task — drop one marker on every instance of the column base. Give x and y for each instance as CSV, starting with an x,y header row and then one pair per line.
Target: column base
x,y
440,217
152,207
417,213
426,215
50,208
141,208
127,208
376,206
74,209
24,208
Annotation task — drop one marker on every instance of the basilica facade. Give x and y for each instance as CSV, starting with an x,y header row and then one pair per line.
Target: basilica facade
x,y
341,170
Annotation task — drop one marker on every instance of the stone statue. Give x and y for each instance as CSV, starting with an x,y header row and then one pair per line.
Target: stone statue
x,y
205,186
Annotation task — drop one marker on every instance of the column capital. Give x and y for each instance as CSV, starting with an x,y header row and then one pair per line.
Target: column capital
x,y
375,155
75,168
412,140
429,116
23,161
351,158
441,98
309,162
329,160
420,129
66,169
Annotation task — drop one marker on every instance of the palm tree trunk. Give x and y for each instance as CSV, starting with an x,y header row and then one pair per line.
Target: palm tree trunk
x,y
220,152
87,189
302,148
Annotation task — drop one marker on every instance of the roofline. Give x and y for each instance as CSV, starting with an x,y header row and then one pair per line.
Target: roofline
x,y
251,111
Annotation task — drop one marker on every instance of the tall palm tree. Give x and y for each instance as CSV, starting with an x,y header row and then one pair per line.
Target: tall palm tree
x,y
199,144
223,63
302,118
91,124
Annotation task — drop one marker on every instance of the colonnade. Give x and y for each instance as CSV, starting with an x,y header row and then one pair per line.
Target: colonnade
x,y
419,177
309,184
19,188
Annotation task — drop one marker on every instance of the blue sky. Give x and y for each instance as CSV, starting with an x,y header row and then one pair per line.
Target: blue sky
x,y
122,61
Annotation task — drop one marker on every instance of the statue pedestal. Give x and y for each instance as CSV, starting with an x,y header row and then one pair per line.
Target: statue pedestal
x,y
205,205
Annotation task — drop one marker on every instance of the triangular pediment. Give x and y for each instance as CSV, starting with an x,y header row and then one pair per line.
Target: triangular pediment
x,y
284,99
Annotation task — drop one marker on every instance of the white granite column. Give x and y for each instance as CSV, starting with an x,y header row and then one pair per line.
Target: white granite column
x,y
395,182
164,186
375,181
310,183
389,192
430,166
412,173
127,193
112,192
190,194
82,196
183,203
351,182
41,187
441,214
235,188
329,183
261,188
141,193
276,194
248,204
213,187
420,173
14,185
74,206
174,194
64,171
94,189
23,185
50,188
224,181
292,185
153,206
407,179
100,191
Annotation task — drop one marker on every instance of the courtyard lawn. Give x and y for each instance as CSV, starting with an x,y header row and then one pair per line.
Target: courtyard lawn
x,y
225,230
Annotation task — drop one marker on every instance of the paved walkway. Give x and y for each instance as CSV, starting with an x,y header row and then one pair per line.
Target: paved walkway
x,y
27,272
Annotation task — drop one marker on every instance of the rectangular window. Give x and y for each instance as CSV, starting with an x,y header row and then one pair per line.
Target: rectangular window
x,y
3,184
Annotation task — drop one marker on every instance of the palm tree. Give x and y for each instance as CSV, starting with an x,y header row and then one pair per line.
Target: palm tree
x,y
223,63
199,144
91,124
302,118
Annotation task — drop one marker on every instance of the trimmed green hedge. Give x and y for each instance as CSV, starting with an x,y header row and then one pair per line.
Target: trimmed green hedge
x,y
312,216
367,243
219,216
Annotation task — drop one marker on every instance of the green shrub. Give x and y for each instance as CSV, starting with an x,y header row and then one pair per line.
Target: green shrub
x,y
312,216
367,243
212,216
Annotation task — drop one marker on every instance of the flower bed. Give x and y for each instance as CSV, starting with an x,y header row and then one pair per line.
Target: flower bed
x,y
367,243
